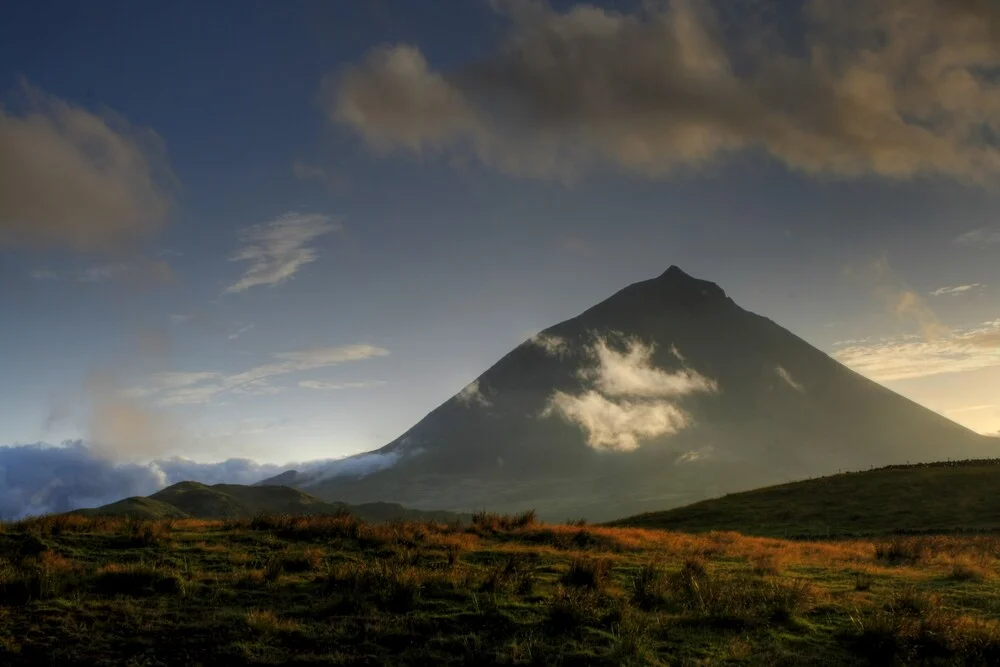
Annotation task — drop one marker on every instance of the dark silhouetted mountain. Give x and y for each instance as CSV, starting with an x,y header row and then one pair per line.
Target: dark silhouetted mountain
x,y
225,501
711,398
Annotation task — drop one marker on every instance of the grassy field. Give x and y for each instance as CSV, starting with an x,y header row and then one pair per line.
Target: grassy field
x,y
330,590
930,498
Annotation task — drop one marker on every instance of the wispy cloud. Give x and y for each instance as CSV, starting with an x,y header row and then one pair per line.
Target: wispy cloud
x,y
899,298
335,386
277,249
333,179
630,399
146,270
472,395
187,388
239,332
787,377
979,237
958,289
681,85
908,357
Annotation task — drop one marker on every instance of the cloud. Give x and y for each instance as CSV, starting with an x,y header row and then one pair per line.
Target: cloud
x,y
40,478
277,249
359,465
188,388
555,346
471,395
907,357
139,271
899,298
70,178
897,88
122,426
958,289
630,400
312,172
335,386
979,237
787,377
239,332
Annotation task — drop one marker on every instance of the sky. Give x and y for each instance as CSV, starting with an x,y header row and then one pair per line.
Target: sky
x,y
286,231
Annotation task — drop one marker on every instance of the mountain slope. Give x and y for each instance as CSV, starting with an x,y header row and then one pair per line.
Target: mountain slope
x,y
939,497
224,501
705,396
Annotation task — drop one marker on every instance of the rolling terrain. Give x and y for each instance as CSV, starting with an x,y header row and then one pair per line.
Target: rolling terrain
x,y
942,497
501,590
225,501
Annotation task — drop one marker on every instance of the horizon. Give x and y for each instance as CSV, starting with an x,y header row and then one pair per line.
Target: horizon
x,y
292,244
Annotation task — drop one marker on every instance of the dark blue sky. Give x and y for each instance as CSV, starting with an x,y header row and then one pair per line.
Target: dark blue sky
x,y
441,259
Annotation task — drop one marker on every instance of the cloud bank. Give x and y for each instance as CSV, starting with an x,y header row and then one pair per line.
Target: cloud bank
x,y
907,357
630,399
71,178
896,88
472,396
277,249
40,478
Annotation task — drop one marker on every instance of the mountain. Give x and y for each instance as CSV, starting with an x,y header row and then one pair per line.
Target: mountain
x,y
935,497
666,393
224,501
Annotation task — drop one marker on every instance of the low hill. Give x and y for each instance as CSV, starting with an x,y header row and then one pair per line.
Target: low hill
x,y
224,501
934,497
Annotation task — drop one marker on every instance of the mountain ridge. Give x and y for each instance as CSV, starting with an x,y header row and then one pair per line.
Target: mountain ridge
x,y
781,410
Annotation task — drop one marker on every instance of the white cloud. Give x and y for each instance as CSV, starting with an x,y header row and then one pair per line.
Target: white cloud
x,y
958,289
618,425
630,400
632,373
979,237
906,357
277,249
787,377
471,395
239,332
187,388
335,386
75,179
555,346
897,88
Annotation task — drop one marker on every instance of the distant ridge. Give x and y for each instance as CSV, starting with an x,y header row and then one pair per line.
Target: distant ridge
x,y
225,501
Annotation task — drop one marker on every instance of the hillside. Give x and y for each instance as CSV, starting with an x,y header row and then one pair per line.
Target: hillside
x,y
664,394
503,590
225,501
938,497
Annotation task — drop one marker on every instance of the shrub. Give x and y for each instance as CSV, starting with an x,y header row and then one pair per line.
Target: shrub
x,y
142,533
966,571
630,641
388,585
571,610
588,573
266,621
136,579
516,574
493,522
305,560
649,589
863,581
900,551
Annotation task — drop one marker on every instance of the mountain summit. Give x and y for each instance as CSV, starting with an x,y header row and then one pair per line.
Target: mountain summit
x,y
666,393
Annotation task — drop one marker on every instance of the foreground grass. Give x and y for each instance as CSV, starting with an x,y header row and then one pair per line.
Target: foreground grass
x,y
499,591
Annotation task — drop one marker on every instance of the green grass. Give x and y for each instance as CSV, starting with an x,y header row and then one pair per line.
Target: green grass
x,y
332,590
932,498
